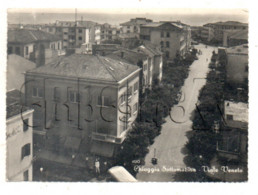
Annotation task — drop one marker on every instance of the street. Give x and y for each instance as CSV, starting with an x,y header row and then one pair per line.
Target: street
x,y
169,144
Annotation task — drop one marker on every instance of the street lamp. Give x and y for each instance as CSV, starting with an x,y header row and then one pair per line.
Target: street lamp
x,y
41,173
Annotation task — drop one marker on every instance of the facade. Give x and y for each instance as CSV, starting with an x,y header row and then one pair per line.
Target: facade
x,y
237,65
91,102
131,29
16,68
19,145
235,38
34,45
73,34
155,58
106,32
206,33
140,59
233,142
226,27
171,37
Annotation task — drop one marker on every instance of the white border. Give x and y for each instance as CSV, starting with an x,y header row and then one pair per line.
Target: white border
x,y
144,188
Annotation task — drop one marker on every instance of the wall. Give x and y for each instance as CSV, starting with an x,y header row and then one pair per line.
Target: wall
x,y
16,139
236,68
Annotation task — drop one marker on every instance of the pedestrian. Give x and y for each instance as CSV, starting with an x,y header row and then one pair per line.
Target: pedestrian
x,y
97,166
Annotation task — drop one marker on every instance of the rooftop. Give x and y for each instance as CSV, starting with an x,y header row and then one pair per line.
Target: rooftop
x,y
240,49
136,21
239,110
228,23
158,24
128,56
87,67
13,103
148,49
30,36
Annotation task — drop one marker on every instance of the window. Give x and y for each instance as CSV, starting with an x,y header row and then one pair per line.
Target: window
x,y
17,50
167,44
80,30
162,44
229,117
135,108
168,34
167,54
130,91
25,150
161,34
25,124
58,46
37,92
122,98
73,96
10,50
56,94
246,68
26,175
27,50
135,87
79,38
103,101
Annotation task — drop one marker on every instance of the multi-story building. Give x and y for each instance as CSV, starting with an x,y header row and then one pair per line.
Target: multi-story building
x,y
19,145
140,59
83,103
237,65
73,34
226,27
131,29
155,58
235,38
172,38
206,33
35,45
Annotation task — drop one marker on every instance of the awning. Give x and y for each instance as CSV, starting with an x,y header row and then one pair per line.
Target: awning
x,y
102,149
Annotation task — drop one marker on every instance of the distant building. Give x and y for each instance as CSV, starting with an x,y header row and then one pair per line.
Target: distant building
x,y
73,34
235,38
237,65
226,27
16,68
34,45
206,33
173,38
131,29
19,145
88,103
140,59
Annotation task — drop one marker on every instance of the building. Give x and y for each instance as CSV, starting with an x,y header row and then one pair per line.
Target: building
x,y
155,59
19,145
35,45
233,142
16,68
106,33
85,103
206,33
235,38
140,59
226,27
131,29
237,65
73,34
170,37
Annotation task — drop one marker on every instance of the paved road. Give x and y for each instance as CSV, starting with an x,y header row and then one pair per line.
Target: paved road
x,y
169,143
